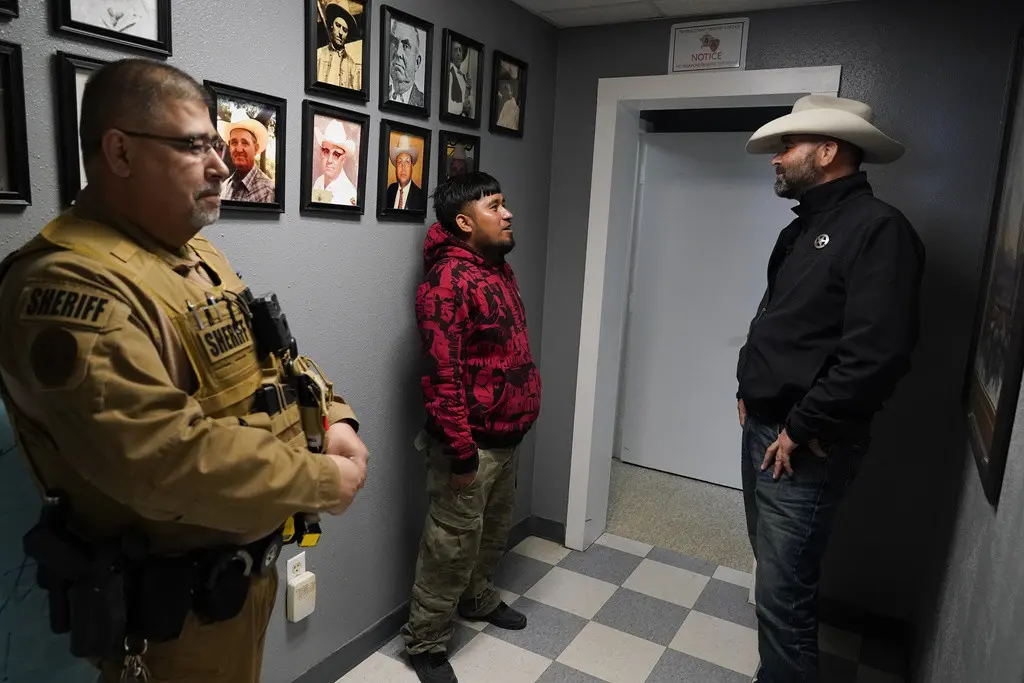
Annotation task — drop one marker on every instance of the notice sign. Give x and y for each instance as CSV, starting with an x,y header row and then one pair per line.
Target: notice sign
x,y
707,45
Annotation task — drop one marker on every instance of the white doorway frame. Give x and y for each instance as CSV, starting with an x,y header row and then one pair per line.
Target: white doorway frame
x,y
609,236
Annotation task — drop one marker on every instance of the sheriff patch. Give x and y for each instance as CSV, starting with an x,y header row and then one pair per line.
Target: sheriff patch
x,y
225,339
67,303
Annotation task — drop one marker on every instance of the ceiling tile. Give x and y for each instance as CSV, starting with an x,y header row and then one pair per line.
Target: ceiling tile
x,y
557,5
609,14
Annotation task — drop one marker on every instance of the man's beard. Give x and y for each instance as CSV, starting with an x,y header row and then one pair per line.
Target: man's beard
x,y
201,218
792,183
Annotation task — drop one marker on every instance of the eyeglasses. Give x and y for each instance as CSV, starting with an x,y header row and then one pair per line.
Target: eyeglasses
x,y
198,145
328,152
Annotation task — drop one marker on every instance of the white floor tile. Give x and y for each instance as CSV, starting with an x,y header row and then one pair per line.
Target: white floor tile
x,y
735,577
839,642
574,593
542,549
495,661
678,586
865,674
508,596
379,668
626,545
612,655
719,642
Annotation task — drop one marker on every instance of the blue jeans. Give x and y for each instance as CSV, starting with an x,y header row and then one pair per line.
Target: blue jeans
x,y
789,521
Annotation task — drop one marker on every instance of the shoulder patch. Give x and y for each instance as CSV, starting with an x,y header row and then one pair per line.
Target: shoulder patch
x,y
65,302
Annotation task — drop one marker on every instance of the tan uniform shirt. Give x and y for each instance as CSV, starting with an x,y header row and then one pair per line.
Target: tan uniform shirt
x,y
102,386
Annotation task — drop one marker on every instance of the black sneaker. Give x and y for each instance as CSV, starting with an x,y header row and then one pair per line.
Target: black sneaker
x,y
433,667
502,616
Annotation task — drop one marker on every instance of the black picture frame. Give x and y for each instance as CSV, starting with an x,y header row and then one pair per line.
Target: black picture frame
x,y
445,102
64,21
519,84
8,8
314,204
68,68
996,359
447,139
14,145
316,33
221,92
421,198
419,106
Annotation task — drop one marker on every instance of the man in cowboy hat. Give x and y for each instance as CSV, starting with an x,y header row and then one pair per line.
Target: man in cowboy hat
x,y
458,161
831,338
334,62
404,193
247,139
333,186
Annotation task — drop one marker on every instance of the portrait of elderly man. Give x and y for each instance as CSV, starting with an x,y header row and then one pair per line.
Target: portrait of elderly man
x,y
404,193
405,57
247,139
334,147
339,62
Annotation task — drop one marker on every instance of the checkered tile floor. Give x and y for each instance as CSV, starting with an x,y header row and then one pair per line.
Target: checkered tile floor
x,y
623,612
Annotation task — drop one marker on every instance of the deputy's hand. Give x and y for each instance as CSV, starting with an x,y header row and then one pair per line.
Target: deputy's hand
x,y
461,481
342,440
353,476
780,451
742,408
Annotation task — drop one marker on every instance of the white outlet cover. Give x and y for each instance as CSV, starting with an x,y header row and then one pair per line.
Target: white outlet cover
x,y
296,566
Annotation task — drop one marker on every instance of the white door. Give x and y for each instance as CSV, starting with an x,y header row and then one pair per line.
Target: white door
x,y
708,219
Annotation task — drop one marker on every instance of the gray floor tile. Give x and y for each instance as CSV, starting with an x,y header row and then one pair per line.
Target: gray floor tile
x,y
675,559
836,669
727,601
548,630
602,562
560,673
642,616
518,573
461,635
885,655
676,667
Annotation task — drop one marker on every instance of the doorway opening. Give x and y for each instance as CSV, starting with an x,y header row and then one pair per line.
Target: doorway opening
x,y
611,416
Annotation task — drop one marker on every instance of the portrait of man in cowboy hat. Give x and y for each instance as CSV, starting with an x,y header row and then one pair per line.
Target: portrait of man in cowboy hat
x,y
333,149
459,158
247,140
339,62
830,340
404,193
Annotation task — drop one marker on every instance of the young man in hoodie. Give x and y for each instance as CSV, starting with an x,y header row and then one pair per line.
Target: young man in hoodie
x,y
482,394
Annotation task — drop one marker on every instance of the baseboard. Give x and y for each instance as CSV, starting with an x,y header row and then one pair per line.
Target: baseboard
x,y
349,655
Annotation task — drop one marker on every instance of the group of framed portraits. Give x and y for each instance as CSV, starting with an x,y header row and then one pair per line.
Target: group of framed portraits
x,y
335,140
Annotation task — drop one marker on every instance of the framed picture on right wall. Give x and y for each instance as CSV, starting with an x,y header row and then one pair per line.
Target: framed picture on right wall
x,y
996,359
508,95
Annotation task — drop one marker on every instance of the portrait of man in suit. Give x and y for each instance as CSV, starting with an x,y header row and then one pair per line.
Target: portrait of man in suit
x,y
405,194
405,63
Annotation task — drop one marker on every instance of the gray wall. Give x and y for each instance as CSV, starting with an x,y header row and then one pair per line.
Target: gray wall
x,y
347,288
936,77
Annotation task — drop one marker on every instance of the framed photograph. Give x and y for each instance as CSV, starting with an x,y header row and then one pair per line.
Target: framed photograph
x,y
15,187
140,24
338,48
253,127
8,8
461,79
997,350
334,144
508,95
403,184
73,72
406,51
458,153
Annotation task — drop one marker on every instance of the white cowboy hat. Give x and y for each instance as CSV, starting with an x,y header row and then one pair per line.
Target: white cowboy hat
x,y
404,146
334,134
833,117
239,119
459,152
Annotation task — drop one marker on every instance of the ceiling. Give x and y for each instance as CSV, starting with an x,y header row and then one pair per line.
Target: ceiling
x,y
566,13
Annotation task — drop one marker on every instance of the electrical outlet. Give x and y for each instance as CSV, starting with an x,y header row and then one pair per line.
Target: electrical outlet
x,y
297,566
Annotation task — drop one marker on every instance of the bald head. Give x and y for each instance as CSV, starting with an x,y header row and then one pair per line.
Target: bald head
x,y
131,94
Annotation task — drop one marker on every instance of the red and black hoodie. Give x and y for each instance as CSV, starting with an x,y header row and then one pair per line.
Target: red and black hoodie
x,y
480,385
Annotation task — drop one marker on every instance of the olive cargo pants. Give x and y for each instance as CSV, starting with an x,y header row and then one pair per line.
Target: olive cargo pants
x,y
463,539
224,652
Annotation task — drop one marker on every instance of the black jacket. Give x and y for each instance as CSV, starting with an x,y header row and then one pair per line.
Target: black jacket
x,y
839,319
416,200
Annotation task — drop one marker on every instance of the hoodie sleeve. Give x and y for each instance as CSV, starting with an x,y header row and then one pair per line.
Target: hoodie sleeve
x,y
442,316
